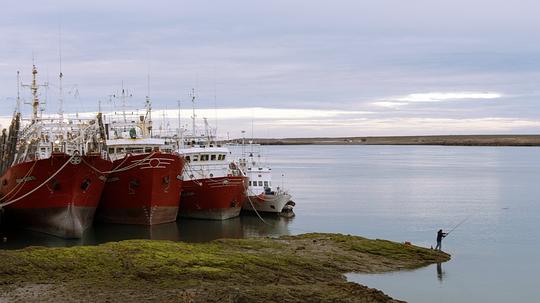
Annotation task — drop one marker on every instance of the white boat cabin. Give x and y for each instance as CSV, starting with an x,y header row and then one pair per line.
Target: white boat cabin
x,y
207,161
133,140
258,173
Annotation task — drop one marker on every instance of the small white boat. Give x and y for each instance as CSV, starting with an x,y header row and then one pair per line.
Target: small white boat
x,y
260,194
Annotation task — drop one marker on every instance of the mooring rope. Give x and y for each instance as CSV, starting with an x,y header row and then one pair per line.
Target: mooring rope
x,y
116,169
252,206
38,187
20,185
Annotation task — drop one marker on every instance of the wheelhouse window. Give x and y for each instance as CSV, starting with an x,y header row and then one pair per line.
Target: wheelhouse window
x,y
265,183
111,150
195,158
204,157
188,159
148,149
260,183
134,150
212,157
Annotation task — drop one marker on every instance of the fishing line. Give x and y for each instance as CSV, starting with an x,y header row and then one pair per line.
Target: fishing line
x,y
459,224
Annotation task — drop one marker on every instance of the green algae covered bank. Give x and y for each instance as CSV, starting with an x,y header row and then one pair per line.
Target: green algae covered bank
x,y
303,268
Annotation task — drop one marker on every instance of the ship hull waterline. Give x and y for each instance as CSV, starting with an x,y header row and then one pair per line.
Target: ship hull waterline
x,y
266,203
217,198
65,205
147,193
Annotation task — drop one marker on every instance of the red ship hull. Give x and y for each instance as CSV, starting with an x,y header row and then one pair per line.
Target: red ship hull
x,y
65,205
146,193
213,198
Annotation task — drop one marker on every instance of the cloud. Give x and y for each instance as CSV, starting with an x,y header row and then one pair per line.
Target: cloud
x,y
437,97
261,113
404,126
389,104
395,102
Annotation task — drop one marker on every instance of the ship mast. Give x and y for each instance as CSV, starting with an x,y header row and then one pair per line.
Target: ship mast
x,y
124,103
18,106
35,99
179,117
148,109
193,116
34,87
61,94
60,90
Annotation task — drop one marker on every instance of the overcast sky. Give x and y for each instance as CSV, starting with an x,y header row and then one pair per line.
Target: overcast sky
x,y
296,68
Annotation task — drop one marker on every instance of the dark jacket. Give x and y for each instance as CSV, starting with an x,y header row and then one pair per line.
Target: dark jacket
x,y
440,235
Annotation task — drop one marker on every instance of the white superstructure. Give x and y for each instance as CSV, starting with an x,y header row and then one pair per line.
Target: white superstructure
x,y
131,133
39,137
261,195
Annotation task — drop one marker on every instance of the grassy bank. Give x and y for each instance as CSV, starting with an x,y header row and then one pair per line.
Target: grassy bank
x,y
307,267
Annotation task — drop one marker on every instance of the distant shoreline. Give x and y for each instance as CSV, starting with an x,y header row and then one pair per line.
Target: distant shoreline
x,y
449,140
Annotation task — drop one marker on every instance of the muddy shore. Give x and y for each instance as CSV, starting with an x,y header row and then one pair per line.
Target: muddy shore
x,y
303,268
465,140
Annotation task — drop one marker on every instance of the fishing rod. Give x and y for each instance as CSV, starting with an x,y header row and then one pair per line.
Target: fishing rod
x,y
462,221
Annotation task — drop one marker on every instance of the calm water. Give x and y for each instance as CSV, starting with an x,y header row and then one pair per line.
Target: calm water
x,y
398,193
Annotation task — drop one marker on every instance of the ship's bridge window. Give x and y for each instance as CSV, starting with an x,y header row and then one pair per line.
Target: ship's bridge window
x,y
134,150
260,183
204,157
195,158
265,183
156,148
187,158
148,149
120,150
213,157
111,150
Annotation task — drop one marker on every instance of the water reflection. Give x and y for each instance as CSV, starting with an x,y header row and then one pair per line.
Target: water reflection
x,y
440,272
187,230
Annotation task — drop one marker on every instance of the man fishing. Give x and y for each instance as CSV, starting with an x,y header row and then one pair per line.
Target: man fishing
x,y
440,236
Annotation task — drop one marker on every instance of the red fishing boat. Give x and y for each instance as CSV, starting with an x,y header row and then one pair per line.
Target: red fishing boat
x,y
145,183
213,188
213,185
52,171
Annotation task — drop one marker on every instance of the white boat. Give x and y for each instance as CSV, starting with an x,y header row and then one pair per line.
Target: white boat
x,y
261,195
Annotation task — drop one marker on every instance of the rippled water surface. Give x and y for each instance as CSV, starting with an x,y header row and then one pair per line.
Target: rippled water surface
x,y
402,193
